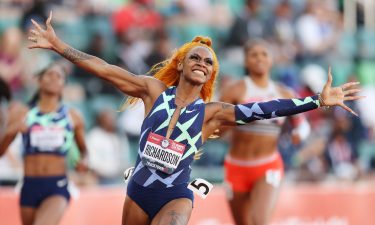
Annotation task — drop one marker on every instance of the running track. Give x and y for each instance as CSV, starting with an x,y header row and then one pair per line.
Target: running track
x,y
299,205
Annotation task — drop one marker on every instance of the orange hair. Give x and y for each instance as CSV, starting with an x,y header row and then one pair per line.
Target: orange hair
x,y
167,72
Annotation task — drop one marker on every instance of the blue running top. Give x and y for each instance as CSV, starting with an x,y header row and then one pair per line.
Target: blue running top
x,y
188,131
48,133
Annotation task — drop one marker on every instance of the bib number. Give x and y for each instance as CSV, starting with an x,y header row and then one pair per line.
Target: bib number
x,y
162,154
47,138
274,177
200,187
128,173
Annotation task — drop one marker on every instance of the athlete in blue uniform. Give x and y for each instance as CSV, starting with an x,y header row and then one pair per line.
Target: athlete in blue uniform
x,y
48,130
4,101
179,119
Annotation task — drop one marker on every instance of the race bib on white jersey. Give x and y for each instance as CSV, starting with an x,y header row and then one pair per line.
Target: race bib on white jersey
x,y
274,177
47,138
162,154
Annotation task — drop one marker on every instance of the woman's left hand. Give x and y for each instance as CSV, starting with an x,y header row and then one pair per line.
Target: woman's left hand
x,y
82,165
335,96
43,38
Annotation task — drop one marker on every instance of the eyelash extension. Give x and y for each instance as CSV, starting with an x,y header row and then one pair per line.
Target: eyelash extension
x,y
195,57
198,58
209,61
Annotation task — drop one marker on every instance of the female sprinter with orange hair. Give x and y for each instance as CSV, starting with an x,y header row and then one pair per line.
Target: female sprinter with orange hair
x,y
179,119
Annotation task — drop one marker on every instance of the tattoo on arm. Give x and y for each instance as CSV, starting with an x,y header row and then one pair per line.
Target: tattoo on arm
x,y
75,55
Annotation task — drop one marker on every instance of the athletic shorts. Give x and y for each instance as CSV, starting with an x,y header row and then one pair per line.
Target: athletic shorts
x,y
152,200
241,175
36,189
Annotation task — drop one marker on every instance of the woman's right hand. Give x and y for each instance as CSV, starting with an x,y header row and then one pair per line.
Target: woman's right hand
x,y
42,38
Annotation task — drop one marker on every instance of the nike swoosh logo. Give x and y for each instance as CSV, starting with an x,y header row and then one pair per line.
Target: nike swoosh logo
x,y
62,183
58,116
190,111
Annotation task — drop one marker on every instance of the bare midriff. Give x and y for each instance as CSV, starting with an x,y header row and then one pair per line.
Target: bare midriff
x,y
252,146
41,165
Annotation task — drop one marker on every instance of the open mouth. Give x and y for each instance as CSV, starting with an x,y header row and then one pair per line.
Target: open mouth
x,y
200,72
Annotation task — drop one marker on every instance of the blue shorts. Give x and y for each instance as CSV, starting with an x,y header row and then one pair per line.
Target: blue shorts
x,y
152,200
36,189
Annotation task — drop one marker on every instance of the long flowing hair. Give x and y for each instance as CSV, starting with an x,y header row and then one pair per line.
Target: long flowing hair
x,y
167,72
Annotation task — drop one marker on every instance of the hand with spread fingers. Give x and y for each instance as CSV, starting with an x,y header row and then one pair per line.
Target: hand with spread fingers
x,y
42,38
335,96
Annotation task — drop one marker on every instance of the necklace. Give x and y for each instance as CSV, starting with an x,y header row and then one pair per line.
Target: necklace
x,y
183,101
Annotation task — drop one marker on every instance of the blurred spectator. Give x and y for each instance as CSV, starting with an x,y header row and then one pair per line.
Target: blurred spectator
x,y
161,49
204,12
317,30
37,12
281,33
309,161
367,146
339,151
130,123
94,85
12,67
249,24
136,14
367,107
281,25
135,25
133,50
108,152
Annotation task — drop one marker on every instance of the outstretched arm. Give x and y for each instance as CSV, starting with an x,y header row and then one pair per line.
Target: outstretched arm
x,y
3,120
137,86
231,115
15,124
79,136
228,114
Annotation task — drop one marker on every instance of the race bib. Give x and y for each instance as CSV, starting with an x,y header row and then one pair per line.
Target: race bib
x,y
201,187
47,138
274,177
162,154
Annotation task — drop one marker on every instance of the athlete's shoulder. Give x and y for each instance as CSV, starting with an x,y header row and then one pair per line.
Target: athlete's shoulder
x,y
155,86
76,116
233,92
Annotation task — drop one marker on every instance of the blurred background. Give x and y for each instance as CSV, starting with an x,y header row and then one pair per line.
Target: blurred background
x,y
328,177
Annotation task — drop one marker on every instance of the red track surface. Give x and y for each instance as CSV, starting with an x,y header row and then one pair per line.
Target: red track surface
x,y
298,205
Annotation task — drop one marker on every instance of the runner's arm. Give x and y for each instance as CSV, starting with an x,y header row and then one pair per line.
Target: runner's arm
x,y
128,83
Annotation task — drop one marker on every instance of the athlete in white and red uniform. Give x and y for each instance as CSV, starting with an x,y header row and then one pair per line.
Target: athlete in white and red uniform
x,y
253,166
